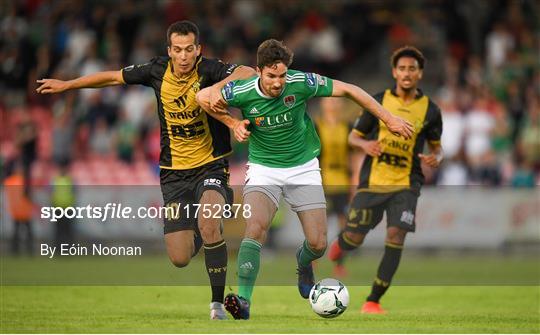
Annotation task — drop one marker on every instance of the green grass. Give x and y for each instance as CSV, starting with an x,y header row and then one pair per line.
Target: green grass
x,y
152,309
461,294
156,270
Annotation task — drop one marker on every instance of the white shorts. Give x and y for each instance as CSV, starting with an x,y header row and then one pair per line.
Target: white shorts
x,y
301,186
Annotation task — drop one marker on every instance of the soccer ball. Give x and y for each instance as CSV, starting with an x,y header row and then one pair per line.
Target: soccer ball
x,y
329,298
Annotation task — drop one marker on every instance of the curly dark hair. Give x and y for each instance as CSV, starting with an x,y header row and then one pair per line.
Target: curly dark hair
x,y
271,52
408,51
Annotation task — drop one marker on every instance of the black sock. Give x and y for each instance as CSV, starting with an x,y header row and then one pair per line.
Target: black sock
x,y
345,244
215,257
387,269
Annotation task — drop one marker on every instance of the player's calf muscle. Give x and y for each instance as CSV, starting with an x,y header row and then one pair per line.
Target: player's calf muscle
x,y
256,229
356,238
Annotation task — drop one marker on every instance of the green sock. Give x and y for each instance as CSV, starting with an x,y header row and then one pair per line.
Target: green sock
x,y
307,255
249,259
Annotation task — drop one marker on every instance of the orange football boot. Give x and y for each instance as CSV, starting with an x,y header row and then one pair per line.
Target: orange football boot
x,y
335,253
371,307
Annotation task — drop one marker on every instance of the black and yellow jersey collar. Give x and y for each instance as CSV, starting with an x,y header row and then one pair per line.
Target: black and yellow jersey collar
x,y
418,95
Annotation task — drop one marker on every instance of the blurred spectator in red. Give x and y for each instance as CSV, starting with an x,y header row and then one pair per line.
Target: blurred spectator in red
x,y
20,209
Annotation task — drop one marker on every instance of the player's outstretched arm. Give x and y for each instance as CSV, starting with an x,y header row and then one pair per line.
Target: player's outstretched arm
x,y
238,127
395,124
95,80
216,102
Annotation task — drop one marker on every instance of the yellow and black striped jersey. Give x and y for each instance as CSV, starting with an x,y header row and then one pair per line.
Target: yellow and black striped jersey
x,y
189,137
398,166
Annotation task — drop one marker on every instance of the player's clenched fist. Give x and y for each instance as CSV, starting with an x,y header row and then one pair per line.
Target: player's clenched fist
x,y
431,160
240,131
372,148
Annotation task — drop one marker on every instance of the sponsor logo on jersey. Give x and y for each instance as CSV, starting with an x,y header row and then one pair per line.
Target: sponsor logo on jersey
x,y
289,100
197,86
392,143
187,115
259,121
253,111
310,79
393,160
321,80
274,121
228,91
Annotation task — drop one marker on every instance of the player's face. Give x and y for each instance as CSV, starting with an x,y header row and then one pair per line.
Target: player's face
x,y
183,52
273,79
407,73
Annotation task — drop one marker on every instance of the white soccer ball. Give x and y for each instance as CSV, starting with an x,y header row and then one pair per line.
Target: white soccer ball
x,y
329,298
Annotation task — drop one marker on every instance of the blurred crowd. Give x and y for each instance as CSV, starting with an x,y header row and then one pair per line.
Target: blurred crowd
x,y
483,70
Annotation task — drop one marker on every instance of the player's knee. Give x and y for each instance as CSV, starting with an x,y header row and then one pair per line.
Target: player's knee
x,y
180,261
318,245
395,235
209,229
355,238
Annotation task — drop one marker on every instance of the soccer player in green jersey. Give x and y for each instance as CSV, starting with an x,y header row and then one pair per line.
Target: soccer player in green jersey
x,y
283,150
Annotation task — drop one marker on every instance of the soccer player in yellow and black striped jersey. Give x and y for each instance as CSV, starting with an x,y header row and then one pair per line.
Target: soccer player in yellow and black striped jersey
x,y
194,146
391,174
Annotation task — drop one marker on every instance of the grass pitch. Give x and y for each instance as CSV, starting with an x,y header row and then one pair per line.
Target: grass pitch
x,y
473,304
150,309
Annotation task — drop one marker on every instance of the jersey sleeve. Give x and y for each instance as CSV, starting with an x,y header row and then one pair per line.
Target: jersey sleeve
x,y
434,126
364,124
319,86
217,70
138,74
228,94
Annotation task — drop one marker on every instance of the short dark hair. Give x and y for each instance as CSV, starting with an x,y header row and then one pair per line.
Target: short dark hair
x,y
408,51
271,52
183,28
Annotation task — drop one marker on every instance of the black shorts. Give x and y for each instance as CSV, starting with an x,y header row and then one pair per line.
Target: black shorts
x,y
336,203
367,209
185,187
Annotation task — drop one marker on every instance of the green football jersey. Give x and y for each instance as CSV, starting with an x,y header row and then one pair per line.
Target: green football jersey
x,y
282,133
